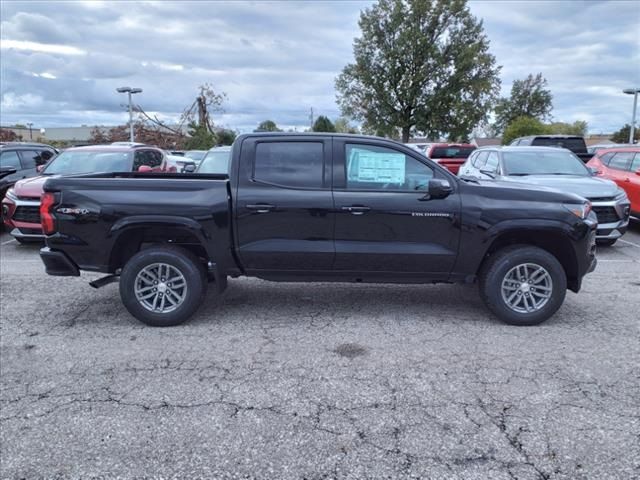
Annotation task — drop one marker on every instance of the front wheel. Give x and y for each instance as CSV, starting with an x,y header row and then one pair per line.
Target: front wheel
x,y
162,286
523,285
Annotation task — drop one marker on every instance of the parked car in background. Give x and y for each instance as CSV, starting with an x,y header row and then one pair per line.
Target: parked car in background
x,y
180,164
357,209
419,147
25,158
215,161
593,149
622,165
21,205
573,143
555,168
450,155
195,155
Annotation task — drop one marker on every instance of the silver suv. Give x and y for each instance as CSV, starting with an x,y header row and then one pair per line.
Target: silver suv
x,y
555,168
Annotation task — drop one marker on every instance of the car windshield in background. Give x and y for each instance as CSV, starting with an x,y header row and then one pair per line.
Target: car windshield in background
x,y
451,152
195,154
573,144
543,163
215,162
70,162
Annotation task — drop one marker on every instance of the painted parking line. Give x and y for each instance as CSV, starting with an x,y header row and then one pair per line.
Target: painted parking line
x,y
8,241
630,243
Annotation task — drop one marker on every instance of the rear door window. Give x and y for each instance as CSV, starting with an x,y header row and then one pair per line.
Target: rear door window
x,y
290,164
621,160
10,159
606,158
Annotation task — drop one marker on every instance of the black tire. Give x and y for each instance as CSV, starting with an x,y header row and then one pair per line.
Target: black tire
x,y
185,263
606,242
500,263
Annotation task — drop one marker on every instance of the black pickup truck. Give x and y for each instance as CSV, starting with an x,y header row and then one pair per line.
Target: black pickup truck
x,y
574,143
323,208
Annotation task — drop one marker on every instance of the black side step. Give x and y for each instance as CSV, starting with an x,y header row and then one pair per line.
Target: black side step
x,y
101,282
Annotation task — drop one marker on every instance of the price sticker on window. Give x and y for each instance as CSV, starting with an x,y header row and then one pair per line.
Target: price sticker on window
x,y
376,167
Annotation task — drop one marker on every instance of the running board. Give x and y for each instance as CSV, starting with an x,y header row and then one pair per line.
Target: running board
x,y
101,282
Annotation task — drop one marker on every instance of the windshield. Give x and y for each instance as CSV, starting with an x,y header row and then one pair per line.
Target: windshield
x,y
573,144
72,162
558,162
451,152
195,154
215,162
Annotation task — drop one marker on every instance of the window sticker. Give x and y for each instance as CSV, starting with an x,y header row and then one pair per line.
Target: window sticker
x,y
376,167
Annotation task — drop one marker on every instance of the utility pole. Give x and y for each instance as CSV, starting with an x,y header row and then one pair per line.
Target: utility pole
x,y
311,118
129,91
29,124
634,92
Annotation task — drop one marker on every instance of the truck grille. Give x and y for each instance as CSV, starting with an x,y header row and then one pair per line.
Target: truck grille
x,y
27,214
606,214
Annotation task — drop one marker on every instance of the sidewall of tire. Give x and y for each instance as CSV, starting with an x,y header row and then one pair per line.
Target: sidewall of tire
x,y
503,261
179,258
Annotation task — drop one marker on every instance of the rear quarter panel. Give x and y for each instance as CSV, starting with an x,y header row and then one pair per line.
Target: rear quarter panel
x,y
93,213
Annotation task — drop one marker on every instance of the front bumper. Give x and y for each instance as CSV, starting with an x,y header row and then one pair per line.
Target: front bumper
x,y
23,217
58,263
608,229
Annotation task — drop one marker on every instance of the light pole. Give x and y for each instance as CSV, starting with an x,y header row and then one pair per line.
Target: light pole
x,y
130,91
634,92
29,124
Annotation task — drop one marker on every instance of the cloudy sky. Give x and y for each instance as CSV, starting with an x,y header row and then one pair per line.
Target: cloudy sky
x,y
62,61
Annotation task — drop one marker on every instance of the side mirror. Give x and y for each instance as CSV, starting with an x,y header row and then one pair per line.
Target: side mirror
x,y
145,169
594,171
438,188
39,168
189,168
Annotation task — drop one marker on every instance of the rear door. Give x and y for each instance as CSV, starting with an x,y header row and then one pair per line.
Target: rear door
x,y
633,186
385,222
284,205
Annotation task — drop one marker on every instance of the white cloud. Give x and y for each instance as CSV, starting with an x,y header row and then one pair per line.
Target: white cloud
x,y
41,47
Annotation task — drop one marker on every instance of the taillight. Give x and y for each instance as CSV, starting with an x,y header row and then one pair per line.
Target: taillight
x,y
47,201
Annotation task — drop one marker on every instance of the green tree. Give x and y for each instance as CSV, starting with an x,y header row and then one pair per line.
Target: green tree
x,y
529,98
323,124
201,137
578,127
267,126
523,126
419,65
226,136
342,125
622,135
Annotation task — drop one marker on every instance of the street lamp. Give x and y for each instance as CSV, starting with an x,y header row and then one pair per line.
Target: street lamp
x,y
29,124
129,91
634,92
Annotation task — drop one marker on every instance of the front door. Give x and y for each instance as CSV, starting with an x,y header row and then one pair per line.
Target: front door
x,y
385,220
284,205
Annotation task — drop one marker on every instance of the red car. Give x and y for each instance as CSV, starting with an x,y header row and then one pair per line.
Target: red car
x,y
622,165
450,155
21,205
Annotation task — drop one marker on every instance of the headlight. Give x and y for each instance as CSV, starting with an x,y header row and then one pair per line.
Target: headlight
x,y
580,210
621,195
11,194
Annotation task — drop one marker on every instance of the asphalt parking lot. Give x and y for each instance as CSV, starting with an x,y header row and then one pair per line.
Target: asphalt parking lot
x,y
319,381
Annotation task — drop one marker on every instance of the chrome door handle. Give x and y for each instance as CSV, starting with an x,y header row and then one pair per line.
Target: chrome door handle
x,y
356,209
261,207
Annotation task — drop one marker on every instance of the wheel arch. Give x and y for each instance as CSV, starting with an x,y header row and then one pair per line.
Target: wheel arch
x,y
554,241
133,234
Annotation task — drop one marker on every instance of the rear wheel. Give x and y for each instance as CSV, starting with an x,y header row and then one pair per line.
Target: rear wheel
x,y
163,286
523,285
